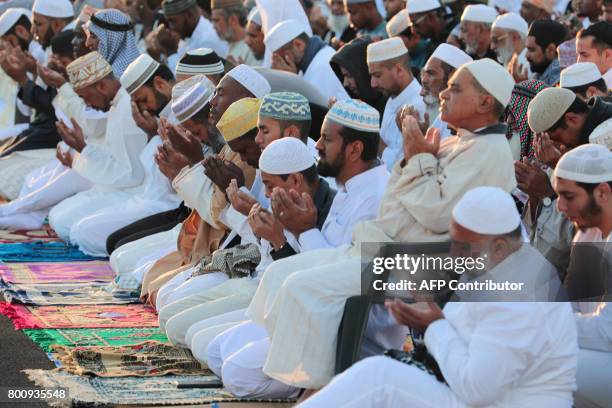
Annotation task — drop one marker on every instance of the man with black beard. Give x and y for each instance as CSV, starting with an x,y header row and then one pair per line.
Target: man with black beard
x,y
542,41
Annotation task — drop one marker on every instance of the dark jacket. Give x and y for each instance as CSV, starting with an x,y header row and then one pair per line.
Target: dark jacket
x,y
599,113
42,133
352,57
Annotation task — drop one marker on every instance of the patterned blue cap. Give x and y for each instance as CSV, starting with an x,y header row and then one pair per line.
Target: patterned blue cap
x,y
355,114
285,106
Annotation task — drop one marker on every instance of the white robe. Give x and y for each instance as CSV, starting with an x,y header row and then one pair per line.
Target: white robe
x,y
305,294
320,74
389,132
490,354
155,196
114,168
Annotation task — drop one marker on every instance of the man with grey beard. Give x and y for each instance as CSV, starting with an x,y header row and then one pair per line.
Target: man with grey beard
x,y
338,22
508,37
440,66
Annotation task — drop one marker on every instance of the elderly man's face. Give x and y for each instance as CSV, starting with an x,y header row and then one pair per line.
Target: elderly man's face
x,y
578,205
470,34
336,7
392,7
268,130
529,12
501,43
588,53
221,24
254,39
433,81
460,99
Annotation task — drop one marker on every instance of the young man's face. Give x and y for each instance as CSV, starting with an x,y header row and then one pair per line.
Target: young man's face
x,y
331,149
41,29
253,38
382,78
149,99
577,204
538,61
588,53
268,130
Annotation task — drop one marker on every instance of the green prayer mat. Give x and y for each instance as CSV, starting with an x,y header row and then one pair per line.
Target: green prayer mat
x,y
45,338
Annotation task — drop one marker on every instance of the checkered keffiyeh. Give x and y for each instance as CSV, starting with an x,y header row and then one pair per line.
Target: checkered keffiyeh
x,y
522,94
117,47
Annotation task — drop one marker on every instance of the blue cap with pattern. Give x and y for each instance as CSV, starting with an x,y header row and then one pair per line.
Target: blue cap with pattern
x,y
355,114
285,106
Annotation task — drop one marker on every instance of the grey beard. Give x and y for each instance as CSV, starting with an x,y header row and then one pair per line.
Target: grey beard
x,y
338,23
504,55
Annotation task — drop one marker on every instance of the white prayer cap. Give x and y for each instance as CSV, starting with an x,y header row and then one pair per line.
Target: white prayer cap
x,y
288,155
398,23
385,50
192,101
493,78
479,13
255,16
422,6
548,107
355,114
512,21
10,17
138,73
589,163
579,74
181,87
452,55
252,80
282,33
53,8
346,2
602,135
487,211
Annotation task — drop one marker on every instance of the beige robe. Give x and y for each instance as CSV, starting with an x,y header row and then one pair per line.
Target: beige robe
x,y
197,238
300,299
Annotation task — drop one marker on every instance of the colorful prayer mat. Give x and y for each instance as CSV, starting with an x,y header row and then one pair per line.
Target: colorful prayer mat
x,y
147,359
86,390
72,317
85,294
49,272
45,338
45,234
40,251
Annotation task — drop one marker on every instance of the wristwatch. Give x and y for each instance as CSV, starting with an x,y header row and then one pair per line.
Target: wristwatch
x,y
546,201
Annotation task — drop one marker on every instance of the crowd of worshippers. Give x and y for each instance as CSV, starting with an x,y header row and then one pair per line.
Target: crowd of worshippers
x,y
231,157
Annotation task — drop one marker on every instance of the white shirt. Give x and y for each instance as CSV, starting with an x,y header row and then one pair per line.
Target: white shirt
x,y
389,132
594,327
358,200
320,74
204,36
115,164
499,354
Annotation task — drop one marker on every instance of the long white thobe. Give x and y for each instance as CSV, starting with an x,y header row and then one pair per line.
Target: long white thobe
x,y
155,195
114,167
490,354
304,295
389,132
203,36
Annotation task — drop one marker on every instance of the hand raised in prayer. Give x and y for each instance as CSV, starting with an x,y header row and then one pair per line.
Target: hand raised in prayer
x,y
64,157
546,151
517,70
241,201
221,172
416,316
15,68
144,120
50,77
72,137
265,225
532,180
414,141
56,64
411,110
331,102
296,212
167,39
185,143
169,161
283,63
